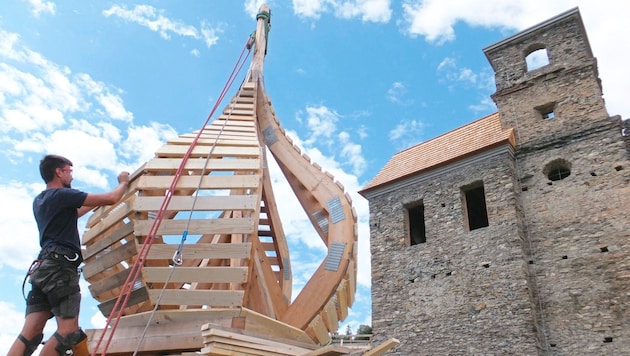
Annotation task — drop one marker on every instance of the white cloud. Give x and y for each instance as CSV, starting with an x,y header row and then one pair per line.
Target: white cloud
x,y
155,20
367,10
435,20
38,7
20,242
407,133
396,93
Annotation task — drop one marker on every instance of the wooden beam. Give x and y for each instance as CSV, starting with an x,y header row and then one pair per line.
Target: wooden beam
x,y
114,257
196,165
211,298
201,203
194,182
382,348
201,250
196,226
195,274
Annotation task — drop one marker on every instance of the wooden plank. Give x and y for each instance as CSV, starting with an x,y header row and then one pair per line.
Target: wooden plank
x,y
116,256
197,226
195,165
106,284
200,203
101,212
329,315
259,324
383,347
342,300
224,141
203,151
137,296
159,339
330,350
320,330
352,282
211,298
217,134
205,182
119,213
215,316
195,274
257,344
113,237
200,251
235,120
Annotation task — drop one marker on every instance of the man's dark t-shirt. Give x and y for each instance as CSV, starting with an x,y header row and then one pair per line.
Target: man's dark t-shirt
x,y
56,214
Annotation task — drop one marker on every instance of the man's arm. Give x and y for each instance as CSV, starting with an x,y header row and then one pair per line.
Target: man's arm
x,y
110,198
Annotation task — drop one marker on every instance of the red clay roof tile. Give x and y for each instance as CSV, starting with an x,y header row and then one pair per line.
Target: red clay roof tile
x,y
451,146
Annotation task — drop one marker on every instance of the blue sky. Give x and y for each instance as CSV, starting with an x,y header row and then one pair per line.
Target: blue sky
x,y
352,81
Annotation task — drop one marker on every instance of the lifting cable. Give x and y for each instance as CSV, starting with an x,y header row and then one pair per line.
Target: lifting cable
x,y
127,287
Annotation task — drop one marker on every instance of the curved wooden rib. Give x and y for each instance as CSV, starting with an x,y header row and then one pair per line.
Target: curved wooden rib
x,y
239,257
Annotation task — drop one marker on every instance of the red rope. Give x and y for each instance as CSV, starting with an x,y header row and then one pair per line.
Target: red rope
x,y
127,287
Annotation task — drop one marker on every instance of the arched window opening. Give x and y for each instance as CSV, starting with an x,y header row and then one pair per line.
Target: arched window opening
x,y
537,59
557,170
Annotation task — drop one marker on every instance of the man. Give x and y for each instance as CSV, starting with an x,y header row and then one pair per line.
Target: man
x,y
54,277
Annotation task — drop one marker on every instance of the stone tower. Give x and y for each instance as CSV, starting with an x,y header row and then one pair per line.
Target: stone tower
x,y
510,235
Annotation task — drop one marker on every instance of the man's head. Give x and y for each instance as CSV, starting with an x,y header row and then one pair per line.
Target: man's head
x,y
52,166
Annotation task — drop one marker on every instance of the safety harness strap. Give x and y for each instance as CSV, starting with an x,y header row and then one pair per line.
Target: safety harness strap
x,y
31,345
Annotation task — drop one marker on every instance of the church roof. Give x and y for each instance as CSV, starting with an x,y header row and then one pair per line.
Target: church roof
x,y
464,141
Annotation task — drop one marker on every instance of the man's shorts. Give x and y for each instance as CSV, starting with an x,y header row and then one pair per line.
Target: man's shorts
x,y
55,287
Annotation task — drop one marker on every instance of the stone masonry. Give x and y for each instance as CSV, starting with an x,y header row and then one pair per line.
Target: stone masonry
x,y
550,273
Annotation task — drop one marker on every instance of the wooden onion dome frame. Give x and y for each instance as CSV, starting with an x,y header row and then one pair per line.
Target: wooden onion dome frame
x,y
236,277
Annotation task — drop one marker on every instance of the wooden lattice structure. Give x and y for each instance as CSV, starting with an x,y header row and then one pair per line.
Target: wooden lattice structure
x,y
234,271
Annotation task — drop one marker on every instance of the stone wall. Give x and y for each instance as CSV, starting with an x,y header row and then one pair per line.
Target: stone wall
x,y
580,243
461,292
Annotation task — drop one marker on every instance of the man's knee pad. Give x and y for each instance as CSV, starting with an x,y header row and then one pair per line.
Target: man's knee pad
x,y
75,344
32,344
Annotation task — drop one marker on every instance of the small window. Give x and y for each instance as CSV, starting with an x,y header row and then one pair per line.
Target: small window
x,y
475,205
537,59
557,170
415,215
547,111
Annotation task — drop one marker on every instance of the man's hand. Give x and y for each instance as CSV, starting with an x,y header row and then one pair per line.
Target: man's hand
x,y
123,177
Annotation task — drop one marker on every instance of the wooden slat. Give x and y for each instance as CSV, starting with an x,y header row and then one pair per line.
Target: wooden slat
x,y
329,315
203,151
224,141
159,339
113,237
200,251
320,330
109,283
212,298
342,300
202,203
196,226
116,215
172,164
250,344
116,256
137,296
205,182
383,347
195,274
232,120
103,211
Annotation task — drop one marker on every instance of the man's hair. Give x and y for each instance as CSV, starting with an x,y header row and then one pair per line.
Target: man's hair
x,y
49,164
